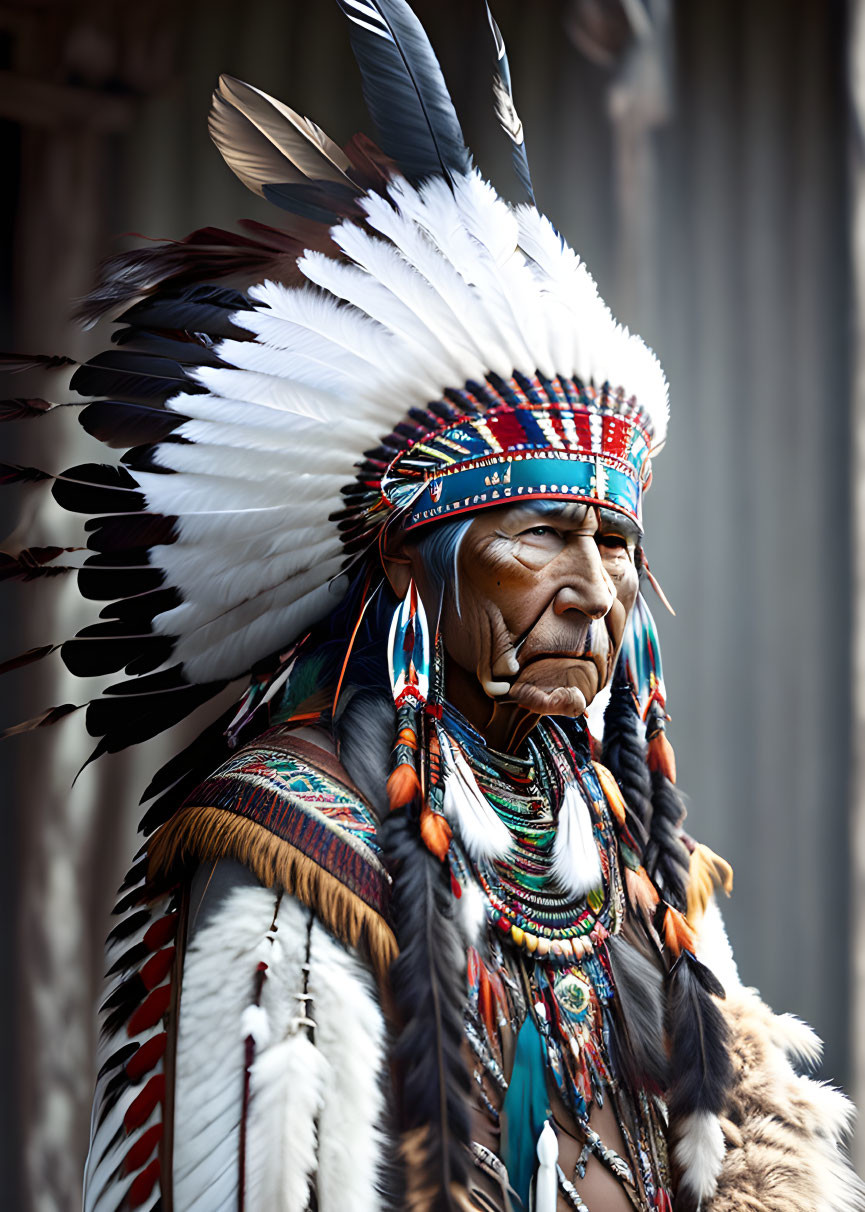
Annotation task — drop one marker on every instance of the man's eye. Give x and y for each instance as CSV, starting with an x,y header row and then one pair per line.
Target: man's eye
x,y
540,530
610,540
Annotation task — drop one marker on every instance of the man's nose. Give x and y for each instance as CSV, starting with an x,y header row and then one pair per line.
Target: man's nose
x,y
588,588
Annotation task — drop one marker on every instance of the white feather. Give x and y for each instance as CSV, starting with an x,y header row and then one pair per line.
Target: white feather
x,y
218,973
483,833
576,863
699,1152
287,1084
350,1033
546,1180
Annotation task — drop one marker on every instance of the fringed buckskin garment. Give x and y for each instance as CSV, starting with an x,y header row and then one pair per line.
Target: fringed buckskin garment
x,y
415,924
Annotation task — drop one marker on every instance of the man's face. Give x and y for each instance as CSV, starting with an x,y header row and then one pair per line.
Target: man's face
x,y
544,595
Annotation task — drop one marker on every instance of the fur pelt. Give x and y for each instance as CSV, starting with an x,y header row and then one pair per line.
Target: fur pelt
x,y
784,1133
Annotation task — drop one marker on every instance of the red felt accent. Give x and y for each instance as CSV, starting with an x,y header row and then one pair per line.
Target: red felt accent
x,y
617,436
161,932
143,1147
147,1056
150,1011
140,1108
584,429
143,1185
485,1002
154,972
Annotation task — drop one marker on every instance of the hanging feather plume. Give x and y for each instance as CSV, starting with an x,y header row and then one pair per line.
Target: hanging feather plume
x,y
641,1056
483,834
700,1071
404,89
506,110
428,980
576,863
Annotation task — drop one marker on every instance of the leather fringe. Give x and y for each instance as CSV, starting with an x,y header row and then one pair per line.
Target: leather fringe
x,y
197,835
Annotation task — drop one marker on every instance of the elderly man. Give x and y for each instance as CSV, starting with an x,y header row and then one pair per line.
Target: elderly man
x,y
415,924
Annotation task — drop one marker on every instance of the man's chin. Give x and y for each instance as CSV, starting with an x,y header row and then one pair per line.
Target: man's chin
x,y
554,687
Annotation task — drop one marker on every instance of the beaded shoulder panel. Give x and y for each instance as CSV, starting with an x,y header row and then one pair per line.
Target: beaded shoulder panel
x,y
277,783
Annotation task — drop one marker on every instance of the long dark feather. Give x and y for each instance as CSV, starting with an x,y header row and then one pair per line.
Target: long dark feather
x,y
428,980
203,309
404,89
506,110
641,1053
700,1066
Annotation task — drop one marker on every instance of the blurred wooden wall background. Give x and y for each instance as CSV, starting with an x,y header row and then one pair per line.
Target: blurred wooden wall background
x,y
697,156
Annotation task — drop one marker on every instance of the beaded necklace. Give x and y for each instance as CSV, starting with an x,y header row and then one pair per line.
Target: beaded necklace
x,y
568,982
521,897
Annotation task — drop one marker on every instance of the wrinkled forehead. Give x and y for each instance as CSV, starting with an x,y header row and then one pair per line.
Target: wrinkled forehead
x,y
573,514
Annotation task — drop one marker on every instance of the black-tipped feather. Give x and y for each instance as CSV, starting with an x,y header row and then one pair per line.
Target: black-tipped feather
x,y
506,111
184,352
121,425
200,309
97,488
700,1067
132,376
131,712
404,89
428,980
137,530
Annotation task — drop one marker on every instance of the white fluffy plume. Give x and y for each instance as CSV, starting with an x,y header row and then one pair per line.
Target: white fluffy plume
x,y
576,862
699,1152
484,835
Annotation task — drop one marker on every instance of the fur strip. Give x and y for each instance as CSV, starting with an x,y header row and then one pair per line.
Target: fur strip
x,y
576,862
785,1133
287,1086
203,834
350,1035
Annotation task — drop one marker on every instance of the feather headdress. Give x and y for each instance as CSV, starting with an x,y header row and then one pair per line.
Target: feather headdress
x,y
408,342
